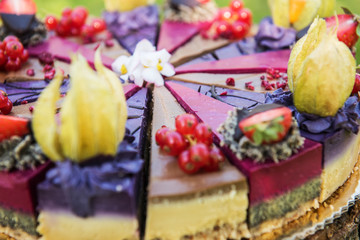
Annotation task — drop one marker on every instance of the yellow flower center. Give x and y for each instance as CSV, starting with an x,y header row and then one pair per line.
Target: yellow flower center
x,y
159,67
123,69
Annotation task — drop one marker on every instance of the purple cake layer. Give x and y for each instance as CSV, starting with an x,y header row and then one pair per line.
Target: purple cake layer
x,y
18,188
235,98
175,34
62,49
102,184
268,180
255,63
131,27
28,90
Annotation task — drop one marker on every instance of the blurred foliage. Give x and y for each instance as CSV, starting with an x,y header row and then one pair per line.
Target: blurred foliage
x,y
259,8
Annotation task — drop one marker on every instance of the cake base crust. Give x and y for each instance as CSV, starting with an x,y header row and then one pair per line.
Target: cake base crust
x,y
15,234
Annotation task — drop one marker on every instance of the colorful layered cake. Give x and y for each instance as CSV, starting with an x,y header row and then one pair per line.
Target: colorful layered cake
x,y
91,188
268,153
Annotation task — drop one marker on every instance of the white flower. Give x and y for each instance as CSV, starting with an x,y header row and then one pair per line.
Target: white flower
x,y
146,64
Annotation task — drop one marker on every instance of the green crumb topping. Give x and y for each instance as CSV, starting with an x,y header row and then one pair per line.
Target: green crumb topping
x,y
16,220
244,148
289,202
19,153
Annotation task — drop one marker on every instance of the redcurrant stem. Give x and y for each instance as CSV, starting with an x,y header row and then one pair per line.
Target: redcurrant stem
x,y
191,139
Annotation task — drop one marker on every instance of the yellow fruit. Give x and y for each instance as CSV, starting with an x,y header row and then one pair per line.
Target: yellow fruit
x,y
43,121
308,14
124,5
303,48
327,8
324,74
280,12
296,8
93,114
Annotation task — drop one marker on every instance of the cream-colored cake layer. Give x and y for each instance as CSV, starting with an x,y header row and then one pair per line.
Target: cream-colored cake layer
x,y
61,225
171,220
335,174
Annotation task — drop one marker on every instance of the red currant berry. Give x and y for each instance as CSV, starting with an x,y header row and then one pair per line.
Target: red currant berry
x,y
75,31
24,56
30,72
199,154
226,14
186,123
3,58
174,144
8,39
203,134
185,164
245,16
12,64
82,11
240,29
3,98
230,81
223,29
87,31
51,22
216,160
98,25
2,46
7,109
66,12
160,135
78,19
14,49
236,5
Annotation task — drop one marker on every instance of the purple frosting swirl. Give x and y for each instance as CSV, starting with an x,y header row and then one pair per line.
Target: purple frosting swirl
x,y
131,27
273,37
315,127
83,186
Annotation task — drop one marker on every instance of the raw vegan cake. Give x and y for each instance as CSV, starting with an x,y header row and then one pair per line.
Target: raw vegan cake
x,y
204,129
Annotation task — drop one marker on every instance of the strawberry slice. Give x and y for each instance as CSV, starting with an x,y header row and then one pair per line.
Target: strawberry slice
x,y
13,126
18,7
346,32
267,127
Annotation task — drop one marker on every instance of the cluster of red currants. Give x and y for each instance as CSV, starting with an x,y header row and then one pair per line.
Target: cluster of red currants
x,y
192,143
12,54
233,22
5,103
73,23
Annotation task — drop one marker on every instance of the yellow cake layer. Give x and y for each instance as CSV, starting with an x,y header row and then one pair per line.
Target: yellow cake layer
x,y
170,220
60,225
336,173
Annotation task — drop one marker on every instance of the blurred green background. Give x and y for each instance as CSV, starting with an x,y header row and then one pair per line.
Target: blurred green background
x,y
259,8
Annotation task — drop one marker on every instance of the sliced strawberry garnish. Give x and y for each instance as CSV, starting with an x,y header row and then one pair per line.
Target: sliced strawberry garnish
x,y
18,7
346,31
267,127
13,126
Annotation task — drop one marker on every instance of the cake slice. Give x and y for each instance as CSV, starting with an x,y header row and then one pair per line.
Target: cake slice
x,y
255,63
202,206
271,198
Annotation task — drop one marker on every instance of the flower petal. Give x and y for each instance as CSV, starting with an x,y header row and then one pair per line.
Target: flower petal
x,y
168,70
149,59
151,75
119,63
163,55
